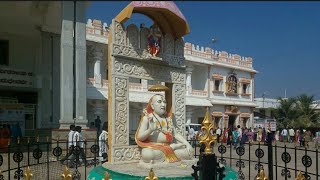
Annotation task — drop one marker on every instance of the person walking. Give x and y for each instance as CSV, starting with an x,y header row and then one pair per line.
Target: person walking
x,y
218,132
250,136
97,124
70,143
259,137
236,137
191,134
307,138
291,134
103,144
79,141
284,134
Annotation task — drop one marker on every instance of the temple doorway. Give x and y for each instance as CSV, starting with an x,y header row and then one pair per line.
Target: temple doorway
x,y
246,122
232,121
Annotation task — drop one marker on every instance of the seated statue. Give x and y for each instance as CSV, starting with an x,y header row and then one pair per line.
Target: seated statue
x,y
157,137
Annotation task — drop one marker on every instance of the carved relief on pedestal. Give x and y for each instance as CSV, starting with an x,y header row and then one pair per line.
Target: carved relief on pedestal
x,y
121,112
179,106
126,153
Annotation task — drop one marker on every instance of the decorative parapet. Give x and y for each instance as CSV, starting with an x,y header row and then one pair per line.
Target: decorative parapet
x,y
95,29
220,56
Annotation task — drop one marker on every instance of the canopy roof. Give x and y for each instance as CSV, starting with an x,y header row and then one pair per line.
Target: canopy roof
x,y
164,13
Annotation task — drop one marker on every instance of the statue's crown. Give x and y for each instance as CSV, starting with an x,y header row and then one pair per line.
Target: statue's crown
x,y
158,88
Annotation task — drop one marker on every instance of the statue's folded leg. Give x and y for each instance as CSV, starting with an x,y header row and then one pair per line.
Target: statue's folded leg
x,y
149,155
183,154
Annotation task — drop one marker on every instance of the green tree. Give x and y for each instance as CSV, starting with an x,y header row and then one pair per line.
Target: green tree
x,y
286,113
308,117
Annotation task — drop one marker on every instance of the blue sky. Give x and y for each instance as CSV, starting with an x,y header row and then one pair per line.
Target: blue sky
x,y
283,38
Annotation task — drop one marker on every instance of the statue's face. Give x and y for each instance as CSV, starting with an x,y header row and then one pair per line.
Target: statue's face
x,y
159,105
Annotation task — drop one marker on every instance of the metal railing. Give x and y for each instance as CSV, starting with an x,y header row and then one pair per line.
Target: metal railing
x,y
47,159
278,160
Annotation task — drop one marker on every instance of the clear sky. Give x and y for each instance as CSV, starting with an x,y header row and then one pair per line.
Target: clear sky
x,y
283,38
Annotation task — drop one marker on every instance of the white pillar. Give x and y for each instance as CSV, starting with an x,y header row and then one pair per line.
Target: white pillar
x,y
144,83
66,66
81,65
97,56
188,79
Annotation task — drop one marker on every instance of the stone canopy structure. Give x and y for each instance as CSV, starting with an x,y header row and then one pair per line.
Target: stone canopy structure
x,y
128,56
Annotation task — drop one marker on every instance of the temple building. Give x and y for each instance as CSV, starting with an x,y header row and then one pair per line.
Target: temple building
x,y
48,79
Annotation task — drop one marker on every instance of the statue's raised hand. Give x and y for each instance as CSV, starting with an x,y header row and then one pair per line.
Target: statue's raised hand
x,y
152,125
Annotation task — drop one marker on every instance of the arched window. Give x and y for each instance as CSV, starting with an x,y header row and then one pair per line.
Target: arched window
x,y
232,83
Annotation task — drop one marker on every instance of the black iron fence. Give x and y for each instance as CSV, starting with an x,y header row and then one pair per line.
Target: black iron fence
x,y
48,158
278,160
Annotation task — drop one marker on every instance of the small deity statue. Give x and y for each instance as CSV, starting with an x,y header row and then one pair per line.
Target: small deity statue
x,y
232,88
154,40
157,137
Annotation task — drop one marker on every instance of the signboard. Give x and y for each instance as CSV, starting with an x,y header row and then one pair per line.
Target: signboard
x,y
265,123
18,78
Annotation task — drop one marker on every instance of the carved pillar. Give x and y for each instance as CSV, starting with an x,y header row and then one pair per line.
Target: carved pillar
x,y
189,70
144,83
241,122
66,66
179,107
97,56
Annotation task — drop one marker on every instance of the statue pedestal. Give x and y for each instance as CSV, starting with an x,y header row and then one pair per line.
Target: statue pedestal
x,y
183,163
137,171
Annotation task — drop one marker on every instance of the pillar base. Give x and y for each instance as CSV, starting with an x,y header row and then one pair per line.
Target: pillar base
x,y
65,124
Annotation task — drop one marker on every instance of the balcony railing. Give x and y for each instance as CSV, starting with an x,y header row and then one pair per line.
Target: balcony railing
x,y
135,86
199,93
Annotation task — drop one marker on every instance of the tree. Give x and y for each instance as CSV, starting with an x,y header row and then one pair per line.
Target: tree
x,y
308,116
286,113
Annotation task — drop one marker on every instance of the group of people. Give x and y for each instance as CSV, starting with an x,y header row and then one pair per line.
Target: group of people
x,y
300,136
76,138
238,136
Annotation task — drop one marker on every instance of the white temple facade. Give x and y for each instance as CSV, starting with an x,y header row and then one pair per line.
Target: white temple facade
x,y
46,82
211,75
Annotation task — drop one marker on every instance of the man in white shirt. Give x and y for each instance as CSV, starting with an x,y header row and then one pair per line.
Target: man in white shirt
x,y
78,142
218,132
70,143
291,134
191,136
239,132
284,134
103,145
